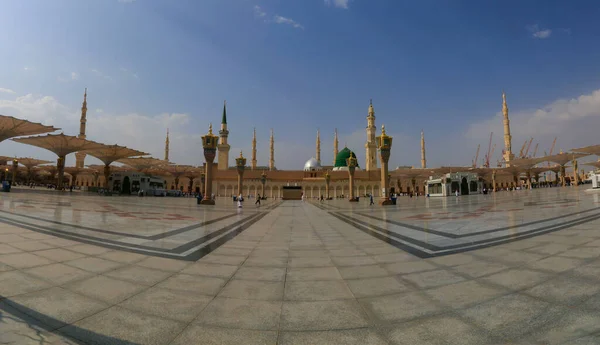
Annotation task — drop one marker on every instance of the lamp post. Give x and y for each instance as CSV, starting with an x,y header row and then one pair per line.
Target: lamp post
x,y
384,142
263,180
352,163
327,179
15,166
575,176
6,174
202,182
209,143
240,164
494,180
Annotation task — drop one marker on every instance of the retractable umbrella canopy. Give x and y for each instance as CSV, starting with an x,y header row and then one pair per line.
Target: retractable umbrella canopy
x,y
112,153
11,127
142,164
61,145
592,150
565,157
32,162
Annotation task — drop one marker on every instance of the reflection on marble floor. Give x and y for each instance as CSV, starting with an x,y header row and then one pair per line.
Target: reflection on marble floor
x,y
512,268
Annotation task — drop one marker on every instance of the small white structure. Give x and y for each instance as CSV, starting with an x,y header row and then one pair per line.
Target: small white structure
x,y
133,182
463,182
595,177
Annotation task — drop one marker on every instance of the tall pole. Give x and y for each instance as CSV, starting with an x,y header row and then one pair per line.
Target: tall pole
x,y
16,166
352,163
385,146
240,164
263,180
60,166
327,179
209,144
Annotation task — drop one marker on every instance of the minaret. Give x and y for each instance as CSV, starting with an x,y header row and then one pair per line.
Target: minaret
x,y
167,147
423,159
223,162
508,155
80,156
272,152
254,150
318,156
371,144
335,146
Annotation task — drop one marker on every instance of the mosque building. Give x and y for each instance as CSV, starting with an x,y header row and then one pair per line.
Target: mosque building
x,y
311,178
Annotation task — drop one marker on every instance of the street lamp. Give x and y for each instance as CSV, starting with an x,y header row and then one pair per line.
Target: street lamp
x,y
240,164
263,180
209,143
327,179
352,164
14,172
384,142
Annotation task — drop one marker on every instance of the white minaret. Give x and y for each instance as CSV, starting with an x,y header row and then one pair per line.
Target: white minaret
x,y
371,144
508,155
423,159
223,147
335,146
80,156
318,157
272,152
254,150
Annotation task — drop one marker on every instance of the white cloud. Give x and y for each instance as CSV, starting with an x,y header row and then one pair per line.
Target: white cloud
x,y
537,32
338,3
258,11
101,75
71,77
130,73
135,130
3,90
288,21
126,1
574,121
99,110
26,68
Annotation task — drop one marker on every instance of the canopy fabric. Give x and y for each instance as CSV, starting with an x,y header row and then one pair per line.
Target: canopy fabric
x,y
110,153
142,163
564,158
527,162
11,127
31,162
592,150
176,170
60,144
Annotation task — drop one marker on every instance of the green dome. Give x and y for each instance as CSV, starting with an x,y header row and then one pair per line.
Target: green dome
x,y
340,159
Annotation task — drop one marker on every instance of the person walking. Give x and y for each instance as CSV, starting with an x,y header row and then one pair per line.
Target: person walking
x,y
239,200
371,200
257,200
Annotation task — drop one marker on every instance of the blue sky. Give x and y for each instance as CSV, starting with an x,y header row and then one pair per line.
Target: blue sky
x,y
299,65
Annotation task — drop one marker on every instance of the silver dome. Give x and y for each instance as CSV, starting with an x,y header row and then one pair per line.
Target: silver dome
x,y
312,164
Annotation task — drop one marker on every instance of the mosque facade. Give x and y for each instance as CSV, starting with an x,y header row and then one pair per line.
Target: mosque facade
x,y
311,177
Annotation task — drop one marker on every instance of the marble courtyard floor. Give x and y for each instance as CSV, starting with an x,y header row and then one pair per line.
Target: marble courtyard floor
x,y
517,267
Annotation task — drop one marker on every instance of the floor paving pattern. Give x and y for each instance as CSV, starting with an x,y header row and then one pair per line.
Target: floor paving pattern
x,y
517,267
